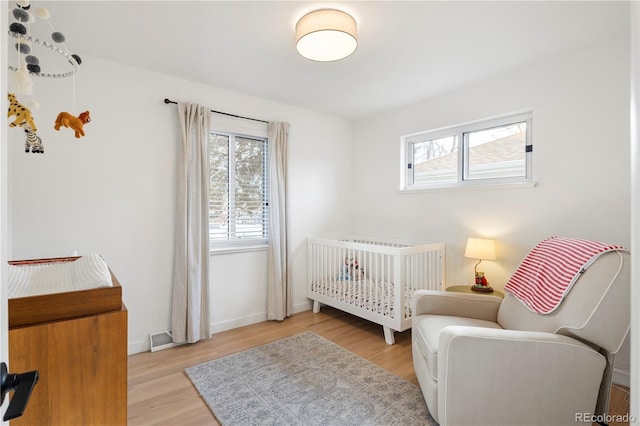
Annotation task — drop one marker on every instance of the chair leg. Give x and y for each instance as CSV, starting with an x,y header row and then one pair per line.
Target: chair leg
x,y
602,406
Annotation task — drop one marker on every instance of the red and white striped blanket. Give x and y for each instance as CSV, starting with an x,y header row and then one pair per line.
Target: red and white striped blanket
x,y
548,272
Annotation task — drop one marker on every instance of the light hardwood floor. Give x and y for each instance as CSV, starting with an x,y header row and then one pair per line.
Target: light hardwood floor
x,y
161,394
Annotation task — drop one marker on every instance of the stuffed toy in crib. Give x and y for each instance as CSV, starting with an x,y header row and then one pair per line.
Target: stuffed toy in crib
x,y
344,273
351,270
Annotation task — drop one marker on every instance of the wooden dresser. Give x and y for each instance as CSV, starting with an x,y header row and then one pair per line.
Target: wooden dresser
x,y
81,355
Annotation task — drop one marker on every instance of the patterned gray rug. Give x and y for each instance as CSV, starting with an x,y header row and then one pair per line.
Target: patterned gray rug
x,y
306,380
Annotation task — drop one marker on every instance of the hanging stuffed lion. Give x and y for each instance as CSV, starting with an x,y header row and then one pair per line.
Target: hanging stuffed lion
x,y
75,123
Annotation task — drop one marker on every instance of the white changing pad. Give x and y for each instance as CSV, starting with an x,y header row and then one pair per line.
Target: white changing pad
x,y
87,272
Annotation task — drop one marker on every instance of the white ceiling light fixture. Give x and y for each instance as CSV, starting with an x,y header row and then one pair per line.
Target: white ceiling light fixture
x,y
326,35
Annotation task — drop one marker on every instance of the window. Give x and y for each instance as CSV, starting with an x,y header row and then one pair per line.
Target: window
x,y
485,152
238,192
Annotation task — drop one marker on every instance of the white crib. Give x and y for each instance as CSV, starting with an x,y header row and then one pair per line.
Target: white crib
x,y
373,278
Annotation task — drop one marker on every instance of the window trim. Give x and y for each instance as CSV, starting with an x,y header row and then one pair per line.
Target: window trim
x,y
459,131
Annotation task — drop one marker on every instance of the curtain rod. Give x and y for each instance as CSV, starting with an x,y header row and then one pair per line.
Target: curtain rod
x,y
169,101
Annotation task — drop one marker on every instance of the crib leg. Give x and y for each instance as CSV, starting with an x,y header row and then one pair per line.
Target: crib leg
x,y
388,336
316,306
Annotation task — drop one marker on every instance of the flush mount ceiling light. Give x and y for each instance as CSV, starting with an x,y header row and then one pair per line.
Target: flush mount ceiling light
x,y
326,35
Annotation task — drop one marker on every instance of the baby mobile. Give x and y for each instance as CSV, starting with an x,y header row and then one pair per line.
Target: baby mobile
x,y
29,66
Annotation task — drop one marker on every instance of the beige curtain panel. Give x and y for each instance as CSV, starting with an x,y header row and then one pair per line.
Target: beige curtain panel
x,y
190,311
279,295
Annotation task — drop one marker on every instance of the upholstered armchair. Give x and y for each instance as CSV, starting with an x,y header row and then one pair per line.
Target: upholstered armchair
x,y
483,360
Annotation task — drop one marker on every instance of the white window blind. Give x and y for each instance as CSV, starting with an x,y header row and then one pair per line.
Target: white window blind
x,y
238,193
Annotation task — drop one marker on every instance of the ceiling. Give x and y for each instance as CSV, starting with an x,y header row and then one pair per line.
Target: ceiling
x,y
407,51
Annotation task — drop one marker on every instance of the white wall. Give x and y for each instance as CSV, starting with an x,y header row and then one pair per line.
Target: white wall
x,y
112,192
580,104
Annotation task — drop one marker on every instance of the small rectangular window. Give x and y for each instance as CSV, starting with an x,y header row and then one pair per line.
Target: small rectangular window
x,y
497,150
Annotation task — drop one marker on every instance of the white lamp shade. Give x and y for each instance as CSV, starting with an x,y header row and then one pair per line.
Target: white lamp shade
x,y
326,35
480,248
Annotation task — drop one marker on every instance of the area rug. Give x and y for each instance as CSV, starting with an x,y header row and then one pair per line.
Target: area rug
x,y
306,380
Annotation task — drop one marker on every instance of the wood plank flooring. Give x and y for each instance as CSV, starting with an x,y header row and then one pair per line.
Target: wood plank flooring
x,y
161,394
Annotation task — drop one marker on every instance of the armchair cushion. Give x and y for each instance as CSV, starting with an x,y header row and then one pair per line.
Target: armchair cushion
x,y
435,302
428,329
508,377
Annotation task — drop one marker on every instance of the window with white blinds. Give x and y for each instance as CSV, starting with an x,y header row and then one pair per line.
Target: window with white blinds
x,y
238,191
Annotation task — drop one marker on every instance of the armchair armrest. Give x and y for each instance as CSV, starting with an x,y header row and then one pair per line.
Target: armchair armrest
x,y
478,306
507,377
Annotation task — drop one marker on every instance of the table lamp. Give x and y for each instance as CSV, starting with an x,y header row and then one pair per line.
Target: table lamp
x,y
481,249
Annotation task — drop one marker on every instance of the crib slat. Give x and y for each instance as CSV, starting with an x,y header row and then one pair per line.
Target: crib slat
x,y
371,280
376,296
389,281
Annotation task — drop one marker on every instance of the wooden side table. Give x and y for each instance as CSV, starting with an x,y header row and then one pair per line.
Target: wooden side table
x,y
467,289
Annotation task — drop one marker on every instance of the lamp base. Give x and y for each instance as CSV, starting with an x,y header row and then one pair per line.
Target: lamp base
x,y
482,288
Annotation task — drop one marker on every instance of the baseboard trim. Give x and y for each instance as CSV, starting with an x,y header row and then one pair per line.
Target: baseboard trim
x,y
301,307
621,377
220,326
138,346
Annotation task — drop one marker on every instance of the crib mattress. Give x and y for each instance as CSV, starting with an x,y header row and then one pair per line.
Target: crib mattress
x,y
366,294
